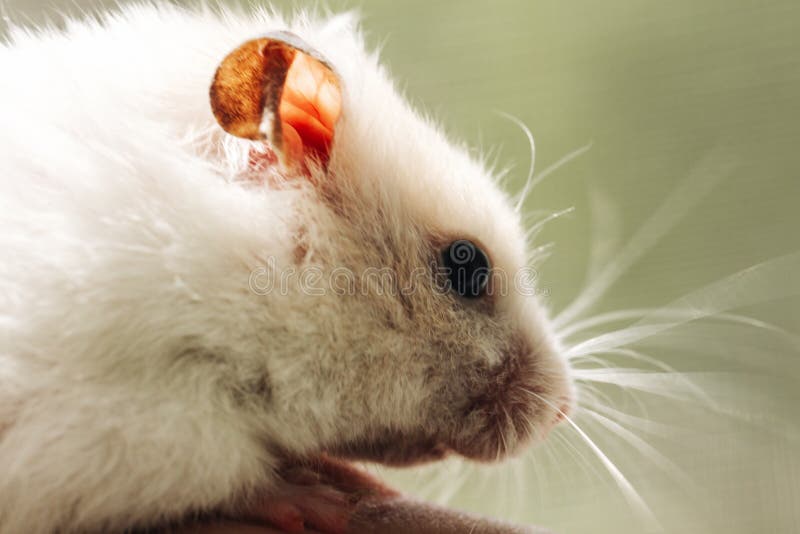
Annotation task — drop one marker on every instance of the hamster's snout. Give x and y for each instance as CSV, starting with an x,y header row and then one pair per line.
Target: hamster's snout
x,y
527,395
563,404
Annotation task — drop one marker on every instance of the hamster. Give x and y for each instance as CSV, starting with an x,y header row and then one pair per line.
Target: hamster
x,y
231,247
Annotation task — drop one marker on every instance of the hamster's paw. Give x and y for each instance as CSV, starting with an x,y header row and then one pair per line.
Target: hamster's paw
x,y
320,494
304,501
321,508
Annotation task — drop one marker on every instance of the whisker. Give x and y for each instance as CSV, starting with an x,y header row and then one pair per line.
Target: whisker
x,y
550,169
674,314
589,358
606,231
673,385
537,227
628,491
530,181
533,179
540,254
711,170
549,448
574,452
642,357
646,450
592,394
617,338
642,424
591,391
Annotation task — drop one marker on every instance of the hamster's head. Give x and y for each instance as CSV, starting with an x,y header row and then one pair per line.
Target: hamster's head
x,y
428,336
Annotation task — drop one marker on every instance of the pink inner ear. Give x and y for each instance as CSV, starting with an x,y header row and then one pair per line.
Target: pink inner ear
x,y
311,103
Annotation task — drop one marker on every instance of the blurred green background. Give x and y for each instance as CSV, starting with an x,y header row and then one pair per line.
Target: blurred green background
x,y
655,87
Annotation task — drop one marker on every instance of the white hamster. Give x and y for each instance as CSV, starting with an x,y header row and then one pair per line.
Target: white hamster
x,y
184,311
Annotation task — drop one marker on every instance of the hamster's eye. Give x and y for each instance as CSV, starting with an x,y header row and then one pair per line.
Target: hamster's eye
x,y
466,268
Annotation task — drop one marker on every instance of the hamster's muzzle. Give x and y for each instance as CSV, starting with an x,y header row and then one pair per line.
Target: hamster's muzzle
x,y
523,398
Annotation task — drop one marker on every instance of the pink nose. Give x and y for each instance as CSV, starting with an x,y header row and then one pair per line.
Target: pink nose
x,y
561,415
563,412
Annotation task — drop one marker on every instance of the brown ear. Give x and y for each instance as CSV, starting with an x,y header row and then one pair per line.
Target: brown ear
x,y
279,90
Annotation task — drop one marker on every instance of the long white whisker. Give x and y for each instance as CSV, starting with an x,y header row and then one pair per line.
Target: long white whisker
x,y
673,385
590,359
536,228
530,181
769,280
534,179
668,313
638,356
773,279
617,338
550,169
549,448
573,451
606,231
642,424
591,390
591,396
712,169
642,357
647,450
628,491
540,254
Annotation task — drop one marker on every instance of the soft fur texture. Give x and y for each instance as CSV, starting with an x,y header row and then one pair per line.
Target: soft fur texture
x,y
141,376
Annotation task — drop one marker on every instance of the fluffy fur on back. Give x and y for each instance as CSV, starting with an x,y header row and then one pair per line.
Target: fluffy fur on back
x,y
142,378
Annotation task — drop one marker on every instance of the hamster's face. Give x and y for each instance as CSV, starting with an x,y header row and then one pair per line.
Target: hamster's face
x,y
462,356
453,354
437,341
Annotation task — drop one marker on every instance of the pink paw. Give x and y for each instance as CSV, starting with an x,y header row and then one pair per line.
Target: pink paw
x,y
319,494
310,496
296,507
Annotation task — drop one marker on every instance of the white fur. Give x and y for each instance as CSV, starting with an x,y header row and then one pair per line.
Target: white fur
x,y
130,342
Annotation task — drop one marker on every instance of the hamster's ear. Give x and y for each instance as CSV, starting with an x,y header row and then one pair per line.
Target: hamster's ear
x,y
278,89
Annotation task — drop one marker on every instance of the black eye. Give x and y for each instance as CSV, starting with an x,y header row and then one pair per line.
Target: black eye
x,y
466,268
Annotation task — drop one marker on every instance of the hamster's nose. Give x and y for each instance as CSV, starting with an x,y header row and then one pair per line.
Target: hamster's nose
x,y
563,412
565,407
